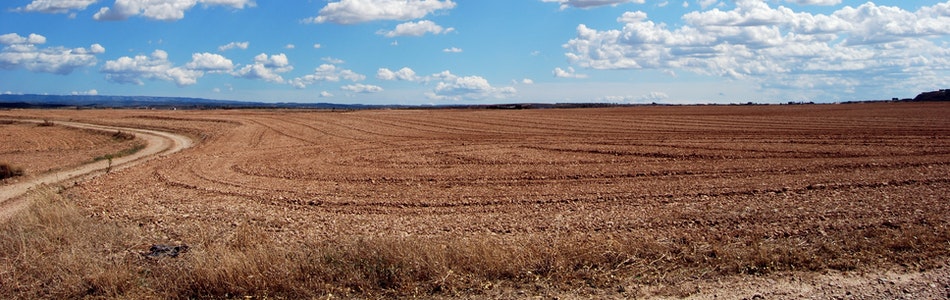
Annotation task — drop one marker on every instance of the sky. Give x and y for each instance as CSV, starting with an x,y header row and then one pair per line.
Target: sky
x,y
422,52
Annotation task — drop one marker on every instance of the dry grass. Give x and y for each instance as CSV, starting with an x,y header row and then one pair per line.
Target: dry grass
x,y
56,250
121,136
136,147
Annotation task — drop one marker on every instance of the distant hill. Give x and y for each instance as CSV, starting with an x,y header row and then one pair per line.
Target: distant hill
x,y
8,101
61,101
76,101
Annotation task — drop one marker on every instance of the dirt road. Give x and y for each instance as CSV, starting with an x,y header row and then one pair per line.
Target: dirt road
x,y
157,143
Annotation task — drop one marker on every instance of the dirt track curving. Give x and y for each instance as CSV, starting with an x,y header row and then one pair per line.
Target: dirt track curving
x,y
157,143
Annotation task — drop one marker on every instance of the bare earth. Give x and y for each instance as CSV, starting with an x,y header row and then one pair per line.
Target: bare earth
x,y
858,192
40,149
157,143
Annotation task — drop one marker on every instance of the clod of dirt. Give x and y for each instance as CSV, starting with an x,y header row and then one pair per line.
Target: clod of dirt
x,y
157,251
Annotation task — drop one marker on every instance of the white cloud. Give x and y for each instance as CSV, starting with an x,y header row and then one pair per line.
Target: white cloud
x,y
332,60
236,4
362,88
359,11
153,67
317,46
91,92
707,3
266,68
651,97
416,29
56,6
467,88
569,73
133,70
326,72
449,86
164,10
209,62
867,47
23,52
405,74
290,46
234,45
325,94
452,50
815,2
16,39
591,3
527,81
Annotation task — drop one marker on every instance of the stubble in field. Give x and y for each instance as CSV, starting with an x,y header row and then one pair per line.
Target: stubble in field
x,y
596,201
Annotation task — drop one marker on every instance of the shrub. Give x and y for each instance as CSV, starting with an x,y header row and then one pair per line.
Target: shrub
x,y
123,136
7,171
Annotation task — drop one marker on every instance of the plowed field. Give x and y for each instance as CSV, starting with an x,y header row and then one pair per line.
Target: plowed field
x,y
673,193
38,148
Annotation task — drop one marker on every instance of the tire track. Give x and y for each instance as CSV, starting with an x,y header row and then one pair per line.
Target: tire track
x,y
158,143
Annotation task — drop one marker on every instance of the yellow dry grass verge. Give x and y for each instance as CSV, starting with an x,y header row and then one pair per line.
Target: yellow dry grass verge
x,y
56,250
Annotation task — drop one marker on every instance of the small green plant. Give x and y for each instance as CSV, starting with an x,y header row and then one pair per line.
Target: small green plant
x,y
8,171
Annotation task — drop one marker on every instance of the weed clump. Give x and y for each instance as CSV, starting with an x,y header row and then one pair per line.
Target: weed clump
x,y
121,136
8,171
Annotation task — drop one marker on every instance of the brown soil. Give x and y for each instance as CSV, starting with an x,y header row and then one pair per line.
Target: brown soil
x,y
39,149
695,195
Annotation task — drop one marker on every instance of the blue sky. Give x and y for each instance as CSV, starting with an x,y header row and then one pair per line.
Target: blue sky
x,y
484,51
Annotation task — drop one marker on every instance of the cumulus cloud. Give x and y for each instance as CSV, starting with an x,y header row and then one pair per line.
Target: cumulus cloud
x,y
591,3
416,29
449,86
405,74
866,46
16,39
325,94
707,3
91,92
815,2
23,52
266,68
56,6
332,60
651,97
569,73
452,50
209,62
362,88
359,11
164,10
468,88
133,70
326,72
317,46
290,46
234,45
